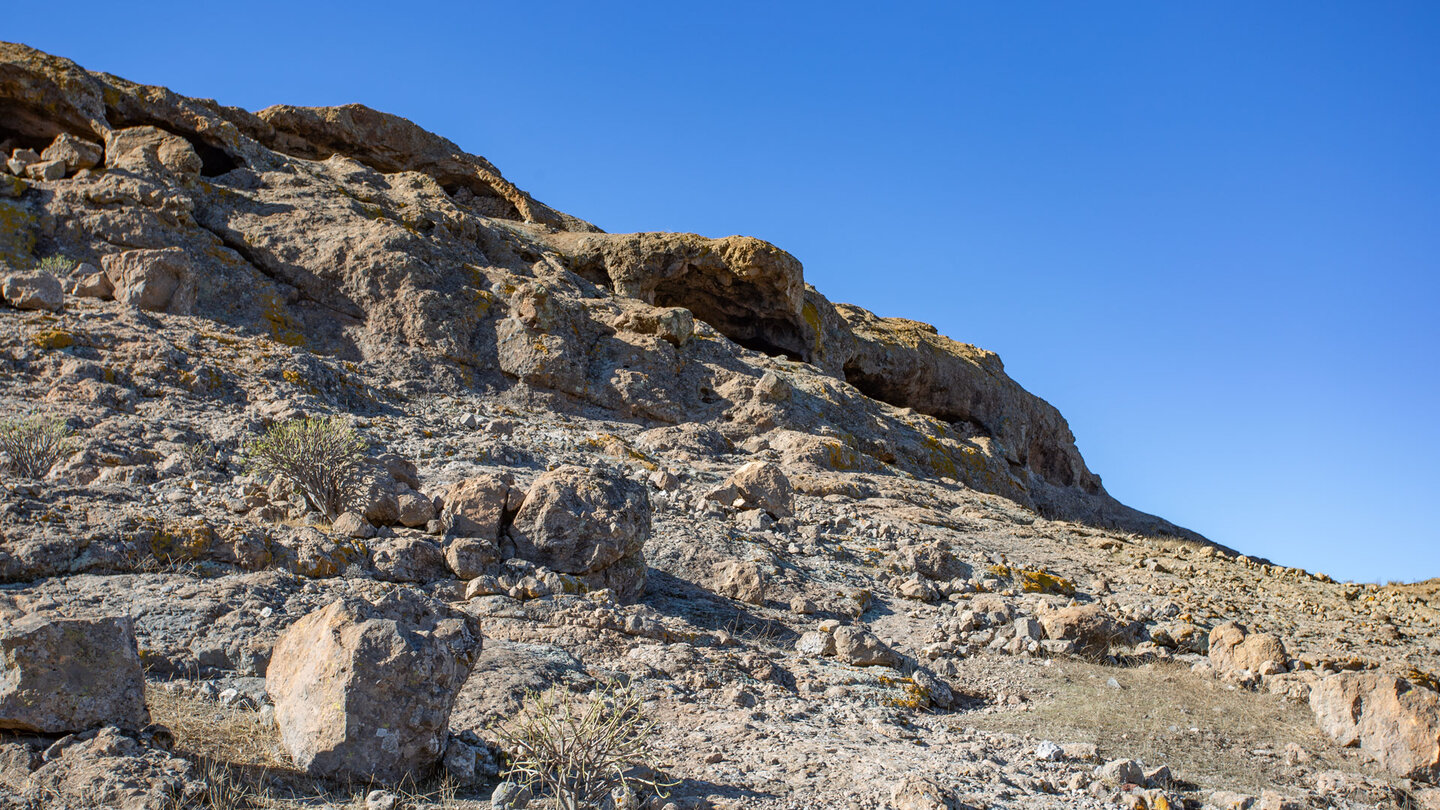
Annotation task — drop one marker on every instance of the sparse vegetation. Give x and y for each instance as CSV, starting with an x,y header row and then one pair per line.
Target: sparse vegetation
x,y
580,748
56,264
35,445
320,457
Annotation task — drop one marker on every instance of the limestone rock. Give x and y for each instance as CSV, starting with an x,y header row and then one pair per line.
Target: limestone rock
x,y
1389,718
61,675
158,280
919,792
365,689
38,290
592,525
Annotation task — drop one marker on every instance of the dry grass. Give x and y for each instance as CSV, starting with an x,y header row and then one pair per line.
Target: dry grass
x,y
245,765
1163,714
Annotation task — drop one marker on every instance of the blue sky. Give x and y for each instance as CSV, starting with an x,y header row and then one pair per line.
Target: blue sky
x,y
1208,233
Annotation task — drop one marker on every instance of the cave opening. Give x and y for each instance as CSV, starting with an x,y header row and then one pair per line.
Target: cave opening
x,y
738,312
214,161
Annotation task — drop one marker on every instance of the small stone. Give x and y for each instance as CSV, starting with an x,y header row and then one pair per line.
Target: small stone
x,y
46,170
38,290
1048,751
382,800
815,644
354,525
470,421
1120,772
664,480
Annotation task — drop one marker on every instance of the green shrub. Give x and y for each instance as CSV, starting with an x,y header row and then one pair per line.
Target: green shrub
x,y
34,445
322,458
56,265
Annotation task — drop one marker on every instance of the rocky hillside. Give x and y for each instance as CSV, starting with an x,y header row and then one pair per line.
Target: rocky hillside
x,y
844,560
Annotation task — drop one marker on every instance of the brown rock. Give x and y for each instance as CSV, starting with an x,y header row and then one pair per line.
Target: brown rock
x,y
62,675
742,580
365,690
919,792
1393,720
858,646
762,485
148,149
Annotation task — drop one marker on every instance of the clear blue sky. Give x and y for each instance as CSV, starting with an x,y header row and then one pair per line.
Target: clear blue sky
x,y
1207,232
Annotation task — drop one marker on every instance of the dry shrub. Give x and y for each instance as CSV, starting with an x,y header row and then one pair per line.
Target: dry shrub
x,y
322,458
581,748
35,445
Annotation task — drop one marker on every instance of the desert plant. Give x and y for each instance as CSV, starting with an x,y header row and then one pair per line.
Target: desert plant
x,y
321,457
56,265
34,445
580,748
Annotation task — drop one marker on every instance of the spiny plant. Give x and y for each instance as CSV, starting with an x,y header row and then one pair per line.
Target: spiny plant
x,y
581,748
35,445
320,457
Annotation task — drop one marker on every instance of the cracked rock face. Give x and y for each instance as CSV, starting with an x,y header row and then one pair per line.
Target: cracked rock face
x,y
62,675
357,234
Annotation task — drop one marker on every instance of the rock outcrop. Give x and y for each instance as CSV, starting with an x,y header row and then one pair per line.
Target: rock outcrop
x,y
365,690
398,248
62,675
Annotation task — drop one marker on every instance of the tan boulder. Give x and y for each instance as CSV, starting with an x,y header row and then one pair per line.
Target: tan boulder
x,y
365,690
1089,626
61,675
1233,649
1389,718
159,280
858,646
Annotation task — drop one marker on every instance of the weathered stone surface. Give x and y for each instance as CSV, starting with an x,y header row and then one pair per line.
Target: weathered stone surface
x,y
92,283
159,280
920,792
1393,720
1233,649
60,675
409,559
37,290
593,525
111,768
742,580
365,690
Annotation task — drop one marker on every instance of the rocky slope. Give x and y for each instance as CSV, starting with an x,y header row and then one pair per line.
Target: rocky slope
x,y
848,561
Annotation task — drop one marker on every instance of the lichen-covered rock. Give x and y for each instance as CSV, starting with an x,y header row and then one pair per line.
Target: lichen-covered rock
x,y
593,525
60,675
1389,718
365,690
158,280
38,290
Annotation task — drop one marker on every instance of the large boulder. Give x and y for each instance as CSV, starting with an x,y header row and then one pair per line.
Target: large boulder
x,y
74,152
364,690
61,675
1089,626
148,150
158,280
590,524
1234,649
38,290
1389,718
